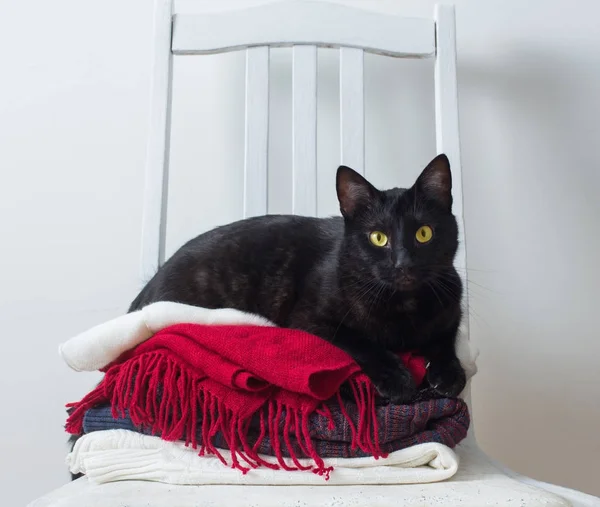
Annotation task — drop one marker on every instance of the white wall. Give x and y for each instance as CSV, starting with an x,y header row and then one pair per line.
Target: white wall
x,y
74,88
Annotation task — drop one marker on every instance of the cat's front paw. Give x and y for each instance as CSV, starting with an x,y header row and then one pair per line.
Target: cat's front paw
x,y
447,379
395,384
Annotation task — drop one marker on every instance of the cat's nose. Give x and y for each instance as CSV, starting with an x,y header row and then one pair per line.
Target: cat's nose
x,y
405,280
403,266
405,272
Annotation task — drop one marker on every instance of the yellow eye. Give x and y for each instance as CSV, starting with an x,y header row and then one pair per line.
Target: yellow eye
x,y
424,234
378,238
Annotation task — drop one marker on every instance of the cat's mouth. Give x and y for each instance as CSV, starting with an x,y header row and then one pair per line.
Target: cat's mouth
x,y
406,282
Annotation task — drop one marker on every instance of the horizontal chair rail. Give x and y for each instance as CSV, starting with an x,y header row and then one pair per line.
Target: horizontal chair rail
x,y
287,24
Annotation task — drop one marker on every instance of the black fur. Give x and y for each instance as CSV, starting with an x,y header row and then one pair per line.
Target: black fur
x,y
325,276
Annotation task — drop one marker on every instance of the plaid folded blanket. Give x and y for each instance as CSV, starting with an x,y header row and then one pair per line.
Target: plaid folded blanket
x,y
443,421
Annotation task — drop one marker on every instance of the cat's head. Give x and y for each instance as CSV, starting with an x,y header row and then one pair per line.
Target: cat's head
x,y
402,238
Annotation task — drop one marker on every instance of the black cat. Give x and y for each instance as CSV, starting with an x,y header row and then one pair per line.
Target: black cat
x,y
376,281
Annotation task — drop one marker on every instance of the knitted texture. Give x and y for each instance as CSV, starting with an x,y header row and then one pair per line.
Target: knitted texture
x,y
444,421
207,385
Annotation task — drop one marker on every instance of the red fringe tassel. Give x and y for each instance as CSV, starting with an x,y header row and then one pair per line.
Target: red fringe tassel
x,y
159,393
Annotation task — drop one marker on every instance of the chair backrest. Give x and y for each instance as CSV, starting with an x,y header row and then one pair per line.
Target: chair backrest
x,y
304,26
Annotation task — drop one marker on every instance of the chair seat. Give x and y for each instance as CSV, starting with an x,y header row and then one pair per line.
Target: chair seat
x,y
478,482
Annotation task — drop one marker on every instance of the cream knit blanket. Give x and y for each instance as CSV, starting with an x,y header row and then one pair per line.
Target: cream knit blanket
x,y
117,455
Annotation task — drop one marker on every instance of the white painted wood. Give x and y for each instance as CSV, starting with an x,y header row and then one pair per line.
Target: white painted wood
x,y
352,109
447,126
304,131
257,131
289,23
157,153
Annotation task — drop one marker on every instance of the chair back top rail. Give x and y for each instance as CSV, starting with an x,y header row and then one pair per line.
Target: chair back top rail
x,y
286,24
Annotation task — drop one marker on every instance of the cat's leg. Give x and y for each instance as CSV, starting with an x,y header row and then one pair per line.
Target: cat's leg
x,y
445,374
388,373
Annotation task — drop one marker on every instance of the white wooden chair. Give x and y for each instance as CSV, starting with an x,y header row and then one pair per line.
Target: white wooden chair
x,y
480,481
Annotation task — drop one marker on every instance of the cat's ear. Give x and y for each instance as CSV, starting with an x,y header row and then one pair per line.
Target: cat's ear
x,y
435,182
354,192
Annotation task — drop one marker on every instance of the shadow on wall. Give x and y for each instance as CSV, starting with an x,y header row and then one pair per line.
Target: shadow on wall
x,y
529,124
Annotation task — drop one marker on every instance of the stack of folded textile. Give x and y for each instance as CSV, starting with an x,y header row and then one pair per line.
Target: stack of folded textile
x,y
197,396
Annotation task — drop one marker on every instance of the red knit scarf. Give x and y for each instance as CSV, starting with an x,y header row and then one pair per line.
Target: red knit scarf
x,y
221,376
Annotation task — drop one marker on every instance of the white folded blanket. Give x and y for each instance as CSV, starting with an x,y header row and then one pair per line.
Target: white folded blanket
x,y
99,346
102,344
117,455
114,455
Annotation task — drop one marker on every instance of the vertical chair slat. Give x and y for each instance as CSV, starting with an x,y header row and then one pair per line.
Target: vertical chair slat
x,y
447,125
352,108
304,132
157,152
257,131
